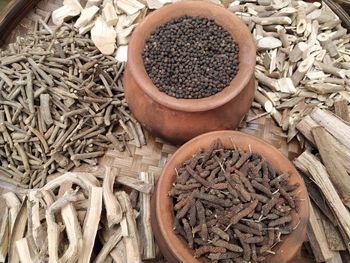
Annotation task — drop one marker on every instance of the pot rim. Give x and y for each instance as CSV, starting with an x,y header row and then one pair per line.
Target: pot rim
x,y
163,211
237,85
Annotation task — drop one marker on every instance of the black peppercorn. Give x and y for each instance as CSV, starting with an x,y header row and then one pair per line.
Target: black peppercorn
x,y
191,57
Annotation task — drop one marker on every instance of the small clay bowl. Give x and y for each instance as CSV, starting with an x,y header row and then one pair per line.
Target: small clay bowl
x,y
174,247
178,120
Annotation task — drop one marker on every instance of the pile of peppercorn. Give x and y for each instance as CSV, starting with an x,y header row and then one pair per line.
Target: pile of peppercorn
x,y
191,57
232,206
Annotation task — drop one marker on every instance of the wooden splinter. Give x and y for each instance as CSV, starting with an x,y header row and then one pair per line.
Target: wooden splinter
x,y
113,209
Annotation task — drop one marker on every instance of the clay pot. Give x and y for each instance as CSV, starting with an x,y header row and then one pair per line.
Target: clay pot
x,y
178,120
174,247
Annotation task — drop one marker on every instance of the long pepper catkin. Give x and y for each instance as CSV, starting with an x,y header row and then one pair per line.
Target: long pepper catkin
x,y
242,210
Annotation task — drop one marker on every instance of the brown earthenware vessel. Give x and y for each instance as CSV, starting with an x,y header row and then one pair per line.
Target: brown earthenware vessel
x,y
178,120
174,247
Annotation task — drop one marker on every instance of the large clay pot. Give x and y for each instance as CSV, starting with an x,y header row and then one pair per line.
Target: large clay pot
x,y
174,247
178,120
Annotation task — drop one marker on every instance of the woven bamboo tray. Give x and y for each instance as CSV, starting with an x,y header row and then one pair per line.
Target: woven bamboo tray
x,y
152,157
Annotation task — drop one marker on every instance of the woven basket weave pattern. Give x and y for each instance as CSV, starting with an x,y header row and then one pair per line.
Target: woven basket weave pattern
x,y
151,158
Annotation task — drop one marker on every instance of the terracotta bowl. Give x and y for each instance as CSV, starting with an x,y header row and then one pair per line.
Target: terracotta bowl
x,y
174,247
178,120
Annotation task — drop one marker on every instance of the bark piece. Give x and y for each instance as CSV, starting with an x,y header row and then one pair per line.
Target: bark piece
x,y
298,52
87,15
113,240
23,250
324,88
103,36
317,237
131,237
73,230
335,169
148,250
130,7
4,235
18,232
110,15
135,183
91,223
309,163
342,110
14,205
69,9
113,208
286,85
334,238
333,125
269,43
